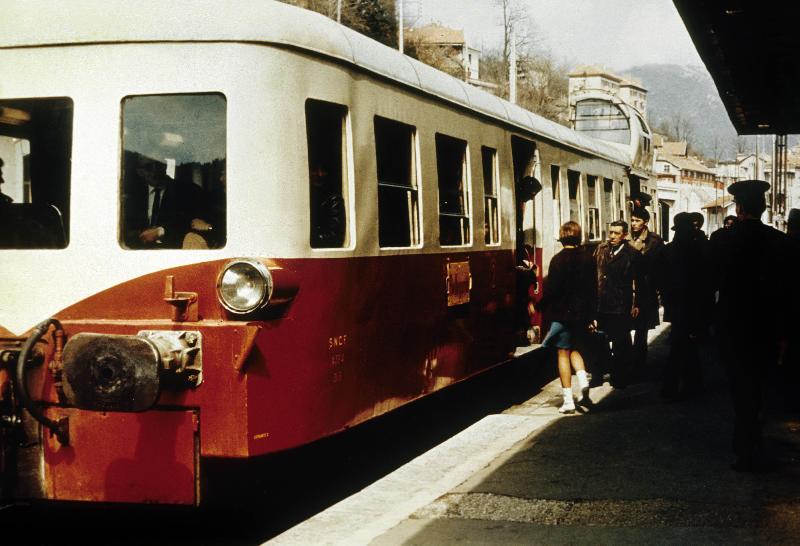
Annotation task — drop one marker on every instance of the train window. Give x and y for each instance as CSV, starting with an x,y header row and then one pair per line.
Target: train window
x,y
608,207
592,209
454,211
327,167
555,181
490,178
173,171
398,195
574,183
35,161
602,119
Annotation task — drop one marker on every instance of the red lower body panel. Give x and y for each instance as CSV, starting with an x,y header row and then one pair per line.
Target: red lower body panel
x,y
148,457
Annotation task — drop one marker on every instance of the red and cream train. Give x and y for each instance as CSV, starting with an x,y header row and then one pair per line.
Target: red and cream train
x,y
128,361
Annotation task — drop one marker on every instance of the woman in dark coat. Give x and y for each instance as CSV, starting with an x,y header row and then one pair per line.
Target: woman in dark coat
x,y
569,302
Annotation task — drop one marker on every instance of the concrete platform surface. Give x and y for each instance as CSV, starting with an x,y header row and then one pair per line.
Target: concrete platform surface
x,y
633,470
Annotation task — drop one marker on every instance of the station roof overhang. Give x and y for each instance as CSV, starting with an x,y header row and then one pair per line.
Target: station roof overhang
x,y
750,50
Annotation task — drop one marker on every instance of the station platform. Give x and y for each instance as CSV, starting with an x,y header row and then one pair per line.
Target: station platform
x,y
634,469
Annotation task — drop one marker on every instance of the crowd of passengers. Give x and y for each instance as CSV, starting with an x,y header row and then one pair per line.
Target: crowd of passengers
x,y
732,287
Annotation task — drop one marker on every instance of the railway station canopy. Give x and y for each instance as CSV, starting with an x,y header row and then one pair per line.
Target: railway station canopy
x,y
750,49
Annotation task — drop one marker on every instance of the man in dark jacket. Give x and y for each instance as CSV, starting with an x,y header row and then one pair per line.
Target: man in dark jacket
x,y
618,276
651,247
753,263
688,300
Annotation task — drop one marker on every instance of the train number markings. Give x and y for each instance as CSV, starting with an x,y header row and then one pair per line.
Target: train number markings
x,y
336,347
337,342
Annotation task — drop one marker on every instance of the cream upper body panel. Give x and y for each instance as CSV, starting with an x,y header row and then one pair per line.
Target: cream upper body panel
x,y
97,54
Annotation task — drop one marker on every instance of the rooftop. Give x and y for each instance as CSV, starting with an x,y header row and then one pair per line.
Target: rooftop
x,y
685,163
674,148
723,202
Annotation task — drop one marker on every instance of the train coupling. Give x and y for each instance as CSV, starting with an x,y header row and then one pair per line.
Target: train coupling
x,y
105,372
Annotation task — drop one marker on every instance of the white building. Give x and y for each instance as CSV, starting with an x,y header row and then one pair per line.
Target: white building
x,y
590,78
684,184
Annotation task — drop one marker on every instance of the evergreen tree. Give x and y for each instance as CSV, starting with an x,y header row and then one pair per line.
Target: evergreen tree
x,y
374,18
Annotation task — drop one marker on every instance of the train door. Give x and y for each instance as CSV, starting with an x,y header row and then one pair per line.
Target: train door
x,y
528,256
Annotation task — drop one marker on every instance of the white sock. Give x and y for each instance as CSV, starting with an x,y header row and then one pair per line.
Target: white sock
x,y
567,393
583,380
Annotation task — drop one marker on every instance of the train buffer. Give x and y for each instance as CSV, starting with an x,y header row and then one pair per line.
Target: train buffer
x,y
635,470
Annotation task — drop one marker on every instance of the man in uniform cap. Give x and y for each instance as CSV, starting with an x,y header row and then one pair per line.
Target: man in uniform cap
x,y
752,317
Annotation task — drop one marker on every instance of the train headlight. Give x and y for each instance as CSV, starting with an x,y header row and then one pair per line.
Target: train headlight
x,y
244,286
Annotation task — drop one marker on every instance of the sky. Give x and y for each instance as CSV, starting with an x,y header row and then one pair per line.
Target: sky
x,y
616,34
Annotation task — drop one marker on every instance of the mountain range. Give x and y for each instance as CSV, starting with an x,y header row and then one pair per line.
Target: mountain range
x,y
684,101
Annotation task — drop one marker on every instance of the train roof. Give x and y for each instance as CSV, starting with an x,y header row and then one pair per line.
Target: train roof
x,y
37,23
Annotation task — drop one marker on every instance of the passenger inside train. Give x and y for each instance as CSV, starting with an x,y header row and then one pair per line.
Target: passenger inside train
x,y
159,211
173,172
35,151
324,126
3,197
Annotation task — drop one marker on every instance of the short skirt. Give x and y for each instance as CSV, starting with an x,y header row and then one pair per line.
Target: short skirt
x,y
564,336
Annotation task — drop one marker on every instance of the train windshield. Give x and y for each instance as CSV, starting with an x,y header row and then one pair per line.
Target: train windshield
x,y
173,172
35,159
603,120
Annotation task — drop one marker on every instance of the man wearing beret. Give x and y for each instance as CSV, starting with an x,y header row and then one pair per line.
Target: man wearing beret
x,y
641,200
650,245
753,312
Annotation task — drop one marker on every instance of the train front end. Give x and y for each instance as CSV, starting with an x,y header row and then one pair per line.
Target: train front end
x,y
133,312
110,409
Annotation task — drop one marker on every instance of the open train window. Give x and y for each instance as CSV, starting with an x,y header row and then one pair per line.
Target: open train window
x,y
173,171
555,182
592,209
608,207
35,164
573,187
398,194
454,210
490,182
327,167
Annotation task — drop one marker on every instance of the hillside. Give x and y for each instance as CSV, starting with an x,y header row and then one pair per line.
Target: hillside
x,y
684,98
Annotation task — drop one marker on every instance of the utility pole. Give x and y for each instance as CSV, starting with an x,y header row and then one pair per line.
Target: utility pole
x,y
400,25
512,69
339,11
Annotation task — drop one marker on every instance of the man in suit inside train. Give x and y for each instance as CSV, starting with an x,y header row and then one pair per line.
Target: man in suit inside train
x,y
158,211
3,197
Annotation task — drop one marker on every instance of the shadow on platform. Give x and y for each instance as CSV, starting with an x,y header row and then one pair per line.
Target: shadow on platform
x,y
635,470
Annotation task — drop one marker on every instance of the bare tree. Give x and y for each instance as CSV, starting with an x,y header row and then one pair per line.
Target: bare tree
x,y
445,58
544,87
519,27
